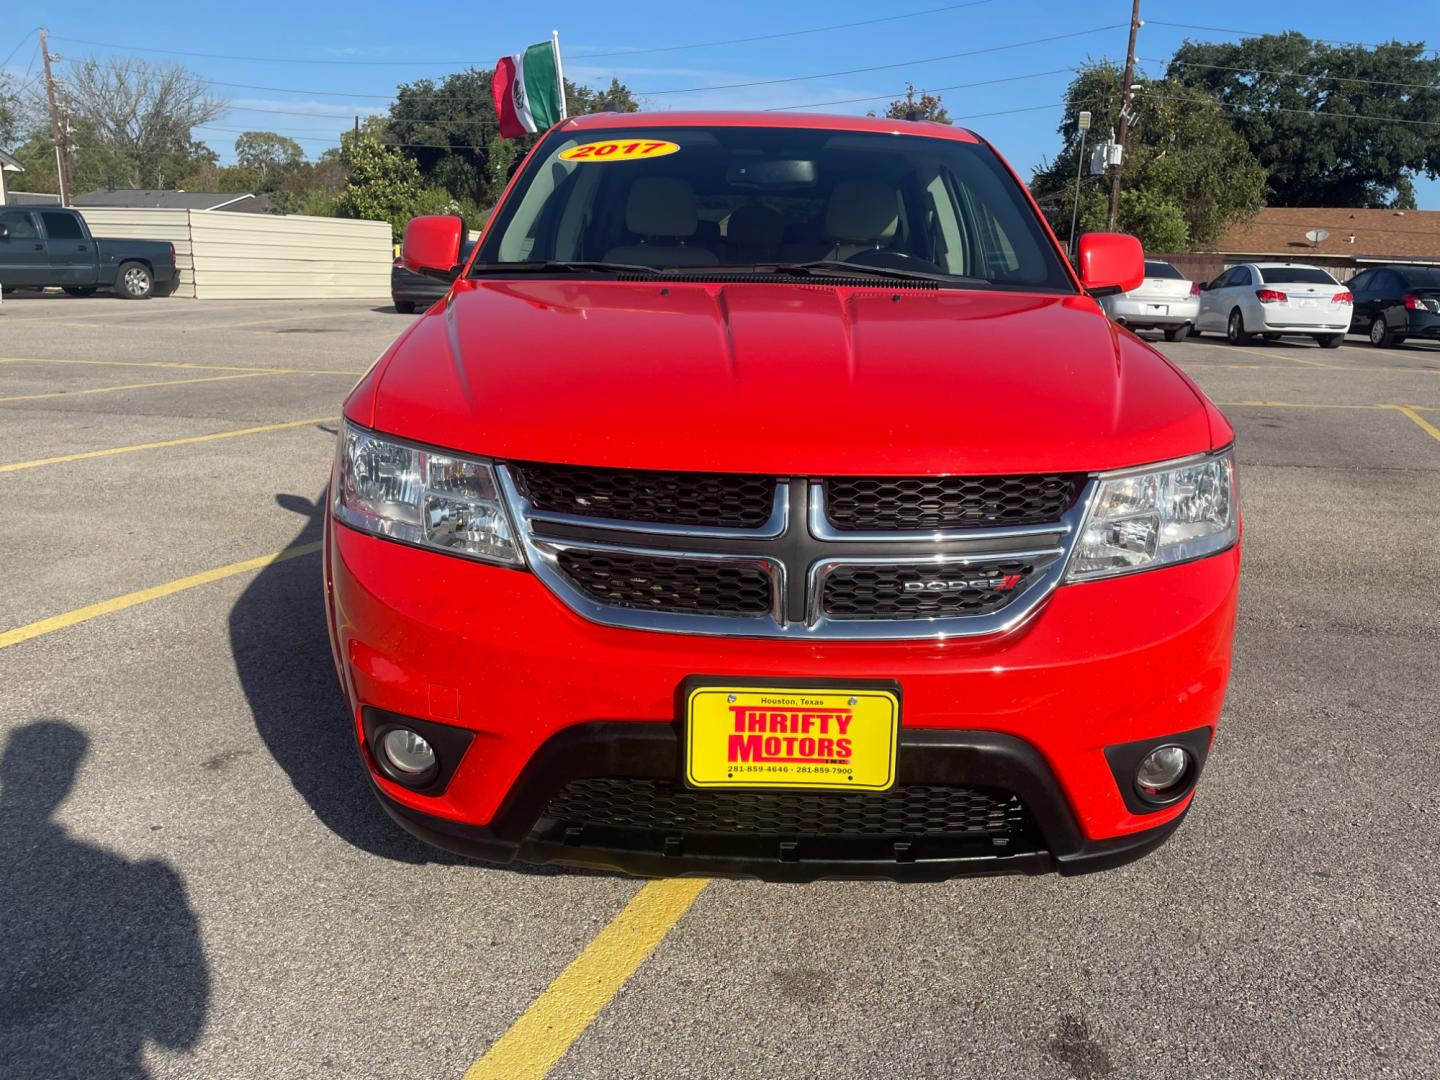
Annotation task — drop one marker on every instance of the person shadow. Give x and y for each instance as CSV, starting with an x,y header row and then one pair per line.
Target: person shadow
x,y
281,648
100,956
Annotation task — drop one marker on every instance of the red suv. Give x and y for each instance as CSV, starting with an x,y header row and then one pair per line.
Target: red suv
x,y
769,496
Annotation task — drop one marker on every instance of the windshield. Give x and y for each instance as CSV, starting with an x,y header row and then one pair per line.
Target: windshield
x,y
691,198
1295,275
1162,270
1421,277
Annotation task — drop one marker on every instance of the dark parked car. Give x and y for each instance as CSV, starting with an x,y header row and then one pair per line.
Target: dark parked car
x,y
410,290
53,246
1393,303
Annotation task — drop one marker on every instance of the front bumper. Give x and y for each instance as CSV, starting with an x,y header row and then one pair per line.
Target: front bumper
x,y
492,651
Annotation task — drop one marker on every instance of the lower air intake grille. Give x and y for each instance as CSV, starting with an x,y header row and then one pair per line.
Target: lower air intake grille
x,y
920,592
660,807
725,500
948,502
693,586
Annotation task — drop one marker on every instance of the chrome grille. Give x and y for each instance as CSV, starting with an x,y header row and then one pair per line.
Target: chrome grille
x,y
791,572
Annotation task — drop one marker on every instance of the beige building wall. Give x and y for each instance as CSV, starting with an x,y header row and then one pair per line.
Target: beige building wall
x,y
229,256
270,257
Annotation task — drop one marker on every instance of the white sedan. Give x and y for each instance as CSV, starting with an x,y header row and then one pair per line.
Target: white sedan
x,y
1274,299
1166,300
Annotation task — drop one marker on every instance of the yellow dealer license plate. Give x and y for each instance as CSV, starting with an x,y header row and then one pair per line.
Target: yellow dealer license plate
x,y
746,736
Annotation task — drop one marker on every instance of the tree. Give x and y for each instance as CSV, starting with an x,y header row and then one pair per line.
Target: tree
x,y
384,184
10,113
451,129
95,166
1188,174
143,113
270,156
925,107
1340,125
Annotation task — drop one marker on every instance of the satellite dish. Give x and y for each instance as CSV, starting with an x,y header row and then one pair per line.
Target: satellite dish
x,y
1316,235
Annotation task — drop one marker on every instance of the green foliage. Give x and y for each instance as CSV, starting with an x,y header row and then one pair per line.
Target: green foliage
x,y
1184,158
270,157
924,107
451,130
1295,104
1154,218
95,165
10,112
383,184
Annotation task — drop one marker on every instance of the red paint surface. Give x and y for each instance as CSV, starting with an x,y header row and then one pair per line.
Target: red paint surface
x,y
782,379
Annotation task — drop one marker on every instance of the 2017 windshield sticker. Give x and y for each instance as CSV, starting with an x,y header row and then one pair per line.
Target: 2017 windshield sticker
x,y
619,150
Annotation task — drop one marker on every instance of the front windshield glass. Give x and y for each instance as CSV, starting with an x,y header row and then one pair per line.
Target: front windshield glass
x,y
688,199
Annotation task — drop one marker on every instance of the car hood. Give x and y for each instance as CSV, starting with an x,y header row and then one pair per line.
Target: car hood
x,y
786,379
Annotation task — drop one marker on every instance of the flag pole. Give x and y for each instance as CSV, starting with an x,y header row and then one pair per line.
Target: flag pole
x,y
559,71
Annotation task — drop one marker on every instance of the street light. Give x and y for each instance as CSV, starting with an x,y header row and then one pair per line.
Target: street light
x,y
1084,124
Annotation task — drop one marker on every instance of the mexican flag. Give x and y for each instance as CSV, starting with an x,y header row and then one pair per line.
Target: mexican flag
x,y
527,89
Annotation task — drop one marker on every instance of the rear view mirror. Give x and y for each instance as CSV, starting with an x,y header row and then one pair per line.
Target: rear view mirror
x,y
767,173
1111,263
432,245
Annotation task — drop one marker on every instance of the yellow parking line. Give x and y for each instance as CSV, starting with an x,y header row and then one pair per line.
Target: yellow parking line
x,y
1425,425
1286,356
136,386
187,440
554,1020
180,364
129,600
1323,405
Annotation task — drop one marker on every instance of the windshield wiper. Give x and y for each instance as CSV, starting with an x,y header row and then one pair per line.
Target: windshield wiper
x,y
549,266
840,268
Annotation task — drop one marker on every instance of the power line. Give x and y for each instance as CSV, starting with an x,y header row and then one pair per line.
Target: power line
x,y
264,59
18,46
880,67
924,89
1259,33
1294,74
580,58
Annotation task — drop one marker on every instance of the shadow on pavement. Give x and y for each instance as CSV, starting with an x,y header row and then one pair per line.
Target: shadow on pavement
x,y
282,655
99,956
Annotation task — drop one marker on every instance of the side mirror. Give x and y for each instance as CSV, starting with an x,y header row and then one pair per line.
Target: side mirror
x,y
432,245
1111,263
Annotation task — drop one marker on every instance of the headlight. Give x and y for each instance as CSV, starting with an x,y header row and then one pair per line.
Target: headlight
x,y
1144,518
427,497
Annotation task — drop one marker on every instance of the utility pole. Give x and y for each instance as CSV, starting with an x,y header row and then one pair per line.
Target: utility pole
x,y
1084,123
1127,95
59,128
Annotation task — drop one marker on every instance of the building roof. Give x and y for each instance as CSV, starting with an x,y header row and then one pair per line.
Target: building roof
x,y
175,200
31,198
1379,235
9,164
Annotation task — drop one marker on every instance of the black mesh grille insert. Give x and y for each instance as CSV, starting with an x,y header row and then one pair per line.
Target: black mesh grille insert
x,y
672,498
685,585
948,502
879,592
662,807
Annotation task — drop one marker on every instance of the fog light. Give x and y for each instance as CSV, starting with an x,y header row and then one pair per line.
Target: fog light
x,y
407,752
1162,771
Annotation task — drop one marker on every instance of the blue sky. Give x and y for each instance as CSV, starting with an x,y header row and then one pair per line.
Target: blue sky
x,y
322,62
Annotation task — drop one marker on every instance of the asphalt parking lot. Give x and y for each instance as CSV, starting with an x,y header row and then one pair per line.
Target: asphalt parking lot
x,y
195,882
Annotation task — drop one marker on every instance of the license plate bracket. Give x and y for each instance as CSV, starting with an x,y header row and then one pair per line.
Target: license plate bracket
x,y
789,734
